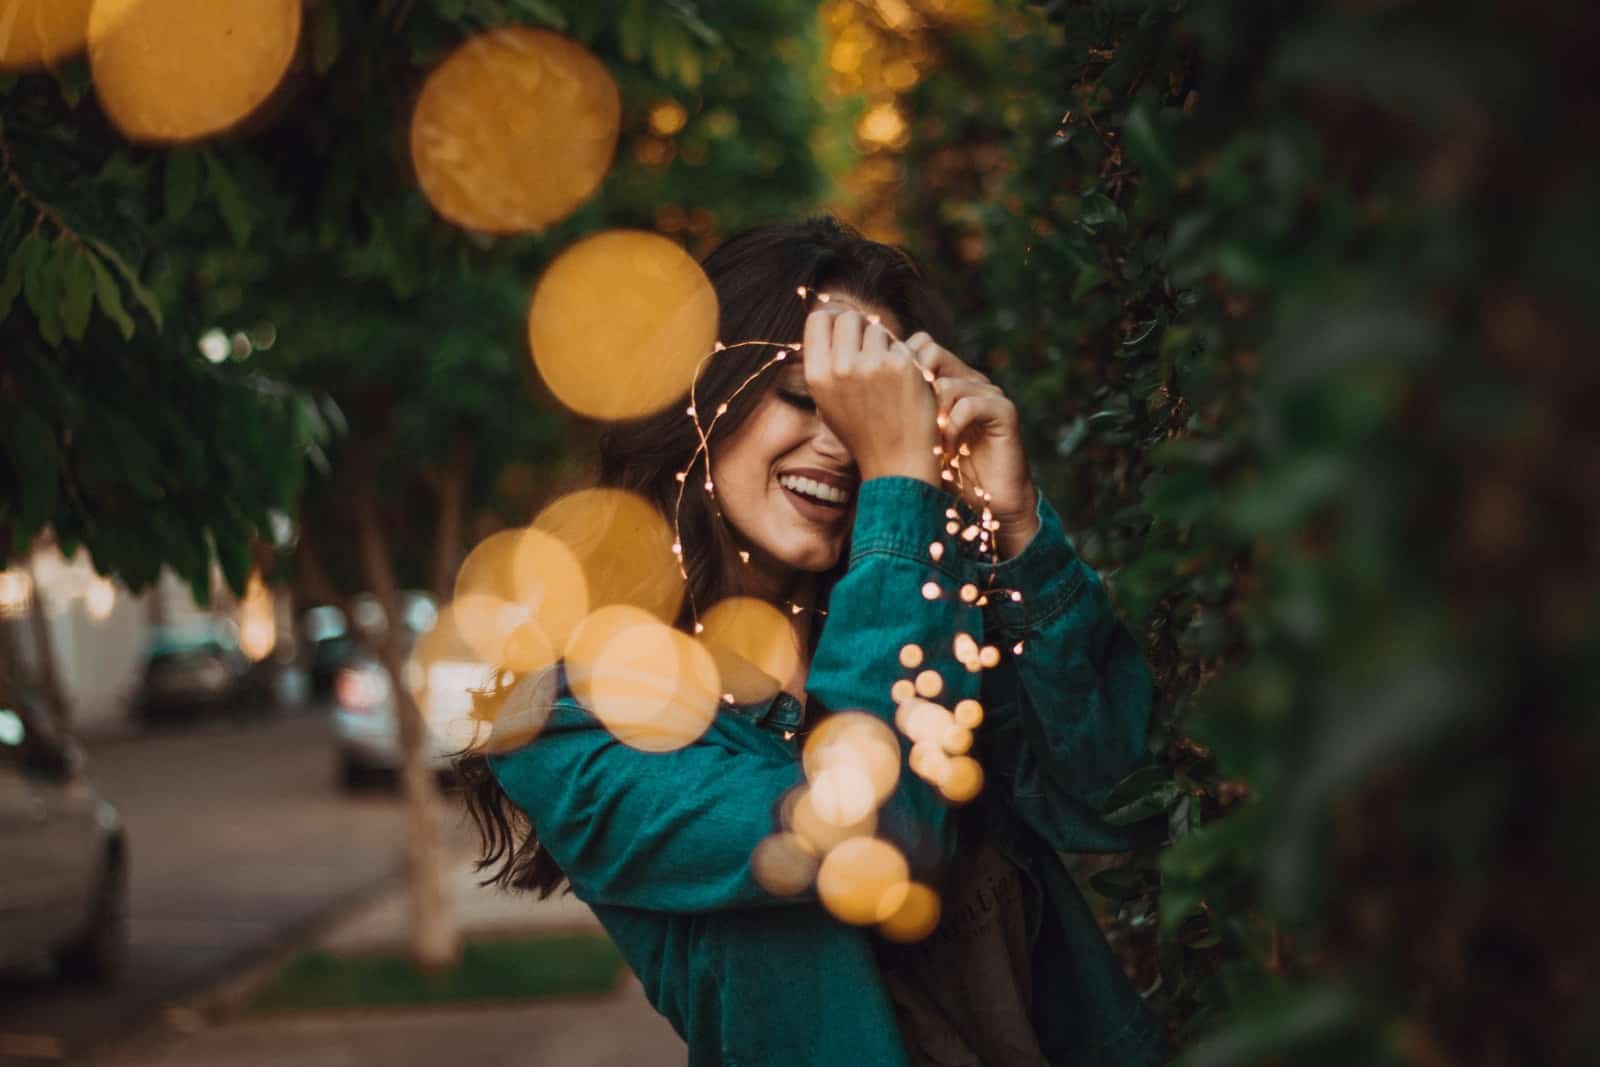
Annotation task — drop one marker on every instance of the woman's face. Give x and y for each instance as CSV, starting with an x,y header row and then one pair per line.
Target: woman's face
x,y
784,482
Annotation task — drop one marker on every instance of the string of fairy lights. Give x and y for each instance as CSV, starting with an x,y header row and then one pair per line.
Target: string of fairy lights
x,y
979,534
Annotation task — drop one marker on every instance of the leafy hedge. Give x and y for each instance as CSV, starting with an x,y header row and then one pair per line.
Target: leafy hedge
x,y
1291,298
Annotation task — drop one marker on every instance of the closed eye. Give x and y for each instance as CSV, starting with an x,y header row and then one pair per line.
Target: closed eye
x,y
799,400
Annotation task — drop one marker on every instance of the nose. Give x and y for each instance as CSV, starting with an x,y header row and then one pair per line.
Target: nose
x,y
829,446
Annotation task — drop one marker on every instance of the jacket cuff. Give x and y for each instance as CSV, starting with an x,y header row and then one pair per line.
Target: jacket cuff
x,y
1047,574
905,517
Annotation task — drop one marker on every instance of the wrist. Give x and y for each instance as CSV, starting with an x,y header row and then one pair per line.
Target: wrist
x,y
924,469
1018,527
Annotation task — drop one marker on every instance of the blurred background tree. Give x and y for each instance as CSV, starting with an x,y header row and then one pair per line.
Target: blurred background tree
x,y
299,255
1292,298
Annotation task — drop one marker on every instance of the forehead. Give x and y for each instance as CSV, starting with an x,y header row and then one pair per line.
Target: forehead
x,y
889,319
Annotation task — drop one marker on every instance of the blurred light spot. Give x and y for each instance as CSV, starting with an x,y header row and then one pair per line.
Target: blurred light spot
x,y
990,656
916,918
215,346
784,864
923,721
653,687
901,75
37,33
957,739
518,596
965,647
240,346
969,592
911,657
903,690
929,683
264,336
852,750
883,126
258,623
864,880
969,713
100,598
180,70
620,322
930,590
929,762
754,645
622,547
799,814
963,779
16,592
514,130
668,117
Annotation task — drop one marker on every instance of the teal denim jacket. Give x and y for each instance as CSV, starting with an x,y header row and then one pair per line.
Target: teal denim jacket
x,y
659,844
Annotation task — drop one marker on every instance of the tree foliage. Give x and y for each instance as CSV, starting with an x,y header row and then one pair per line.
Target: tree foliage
x,y
1291,298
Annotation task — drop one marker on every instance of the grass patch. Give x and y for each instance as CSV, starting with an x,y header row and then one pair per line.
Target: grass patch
x,y
503,969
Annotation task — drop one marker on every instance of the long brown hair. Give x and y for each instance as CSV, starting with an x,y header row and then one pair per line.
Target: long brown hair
x,y
757,275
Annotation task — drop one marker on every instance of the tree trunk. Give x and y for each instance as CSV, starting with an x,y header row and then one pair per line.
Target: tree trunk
x,y
44,661
450,484
435,940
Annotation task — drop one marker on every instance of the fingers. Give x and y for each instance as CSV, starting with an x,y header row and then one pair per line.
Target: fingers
x,y
940,360
818,344
966,405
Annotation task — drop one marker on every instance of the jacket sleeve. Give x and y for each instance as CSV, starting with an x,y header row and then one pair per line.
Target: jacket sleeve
x,y
675,831
1083,691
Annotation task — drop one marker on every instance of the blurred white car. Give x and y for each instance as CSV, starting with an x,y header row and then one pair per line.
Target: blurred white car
x,y
63,854
365,723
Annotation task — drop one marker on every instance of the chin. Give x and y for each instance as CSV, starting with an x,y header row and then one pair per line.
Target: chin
x,y
812,558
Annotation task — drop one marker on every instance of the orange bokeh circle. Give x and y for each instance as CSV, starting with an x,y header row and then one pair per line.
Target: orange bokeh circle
x,y
514,130
620,322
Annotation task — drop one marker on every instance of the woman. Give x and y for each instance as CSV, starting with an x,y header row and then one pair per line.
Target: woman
x,y
828,495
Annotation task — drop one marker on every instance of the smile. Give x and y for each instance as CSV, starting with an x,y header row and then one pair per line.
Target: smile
x,y
814,490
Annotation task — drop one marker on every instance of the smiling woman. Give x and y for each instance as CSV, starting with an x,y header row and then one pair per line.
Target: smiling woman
x,y
792,881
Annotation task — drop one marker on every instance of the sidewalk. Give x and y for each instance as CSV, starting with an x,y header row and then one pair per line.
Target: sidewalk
x,y
619,1029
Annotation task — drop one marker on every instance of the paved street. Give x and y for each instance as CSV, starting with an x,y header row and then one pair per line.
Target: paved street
x,y
239,841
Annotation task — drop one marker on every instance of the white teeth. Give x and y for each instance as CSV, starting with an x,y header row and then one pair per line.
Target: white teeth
x,y
814,489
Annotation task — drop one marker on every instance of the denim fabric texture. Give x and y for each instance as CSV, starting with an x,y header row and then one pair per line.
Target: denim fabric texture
x,y
659,844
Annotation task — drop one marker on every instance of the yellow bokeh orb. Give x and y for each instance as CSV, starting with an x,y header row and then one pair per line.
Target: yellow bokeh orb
x,y
514,130
518,596
923,721
179,70
652,686
864,880
799,813
38,33
622,547
620,322
963,780
854,759
969,713
916,918
784,864
754,644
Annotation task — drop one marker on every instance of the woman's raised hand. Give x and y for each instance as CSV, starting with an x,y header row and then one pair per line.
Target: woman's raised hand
x,y
871,393
975,413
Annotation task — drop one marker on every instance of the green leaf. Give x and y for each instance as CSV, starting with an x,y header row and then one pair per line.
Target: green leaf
x,y
325,37
1100,210
144,296
111,298
16,267
1146,792
236,211
34,457
633,30
77,298
183,178
543,11
1145,146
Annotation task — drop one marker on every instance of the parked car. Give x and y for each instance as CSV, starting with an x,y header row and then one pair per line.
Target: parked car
x,y
63,853
329,646
366,728
191,670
